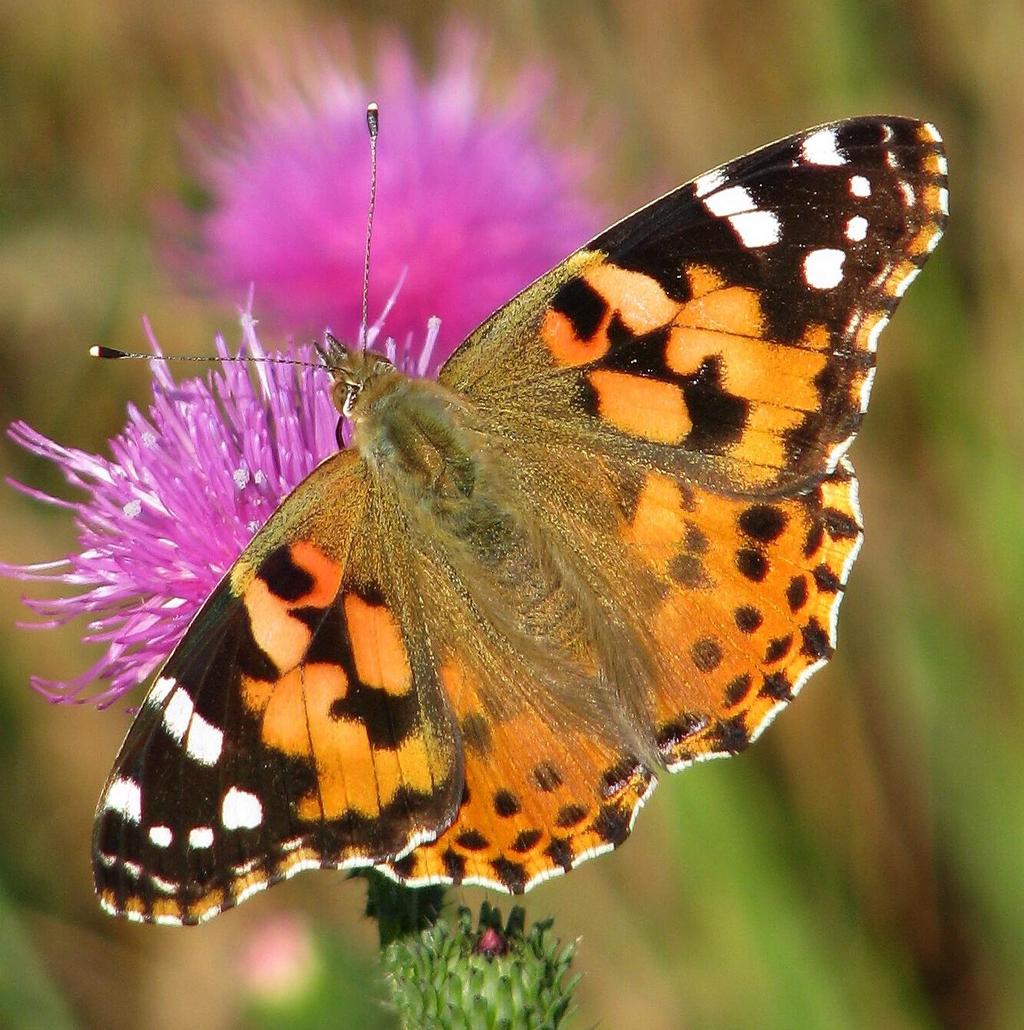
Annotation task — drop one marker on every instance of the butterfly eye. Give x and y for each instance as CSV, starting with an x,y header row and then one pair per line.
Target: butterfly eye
x,y
352,391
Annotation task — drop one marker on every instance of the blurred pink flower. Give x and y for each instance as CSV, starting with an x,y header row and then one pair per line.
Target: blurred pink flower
x,y
279,960
472,205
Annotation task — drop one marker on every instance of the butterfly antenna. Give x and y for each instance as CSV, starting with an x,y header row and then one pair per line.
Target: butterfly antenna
x,y
115,354
373,126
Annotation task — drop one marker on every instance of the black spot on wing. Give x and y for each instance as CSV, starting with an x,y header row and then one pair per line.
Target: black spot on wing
x,y
673,733
471,840
718,416
642,355
283,577
748,619
737,689
476,733
706,654
777,687
511,875
763,522
525,841
388,720
547,777
582,305
560,852
454,865
570,815
506,804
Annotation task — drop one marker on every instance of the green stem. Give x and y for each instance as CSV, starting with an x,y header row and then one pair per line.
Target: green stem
x,y
399,911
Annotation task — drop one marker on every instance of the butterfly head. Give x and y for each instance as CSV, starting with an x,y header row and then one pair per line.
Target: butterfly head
x,y
351,368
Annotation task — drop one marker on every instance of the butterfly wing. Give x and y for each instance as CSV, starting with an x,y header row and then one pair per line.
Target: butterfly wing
x,y
674,402
299,724
728,330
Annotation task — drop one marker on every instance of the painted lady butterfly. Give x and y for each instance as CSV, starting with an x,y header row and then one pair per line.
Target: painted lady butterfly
x,y
610,540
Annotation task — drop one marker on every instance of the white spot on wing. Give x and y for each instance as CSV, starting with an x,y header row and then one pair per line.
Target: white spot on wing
x,y
708,182
200,837
756,228
159,691
856,228
209,913
859,186
302,866
822,148
730,202
178,714
124,796
908,193
931,132
240,810
823,269
161,836
204,741
944,200
942,164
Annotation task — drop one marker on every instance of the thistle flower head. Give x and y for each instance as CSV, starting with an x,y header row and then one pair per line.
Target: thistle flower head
x,y
187,485
472,202
498,974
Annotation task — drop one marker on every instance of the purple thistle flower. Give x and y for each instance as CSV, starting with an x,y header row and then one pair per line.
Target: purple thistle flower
x,y
473,204
186,487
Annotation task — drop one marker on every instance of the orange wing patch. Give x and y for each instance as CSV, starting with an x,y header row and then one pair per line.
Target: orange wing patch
x,y
353,775
380,656
553,800
705,373
290,578
317,711
641,407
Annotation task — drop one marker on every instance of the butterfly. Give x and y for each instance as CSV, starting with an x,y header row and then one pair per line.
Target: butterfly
x,y
609,541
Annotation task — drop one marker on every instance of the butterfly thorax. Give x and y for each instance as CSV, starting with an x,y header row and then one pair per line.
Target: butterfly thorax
x,y
413,432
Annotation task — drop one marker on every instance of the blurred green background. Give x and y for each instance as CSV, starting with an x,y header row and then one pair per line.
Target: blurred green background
x,y
862,865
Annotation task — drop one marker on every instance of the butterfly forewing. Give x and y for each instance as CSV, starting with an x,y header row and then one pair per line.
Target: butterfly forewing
x,y
296,726
728,330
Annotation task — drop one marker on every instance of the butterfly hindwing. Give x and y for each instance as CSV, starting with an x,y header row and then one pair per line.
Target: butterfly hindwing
x,y
540,798
296,726
751,590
